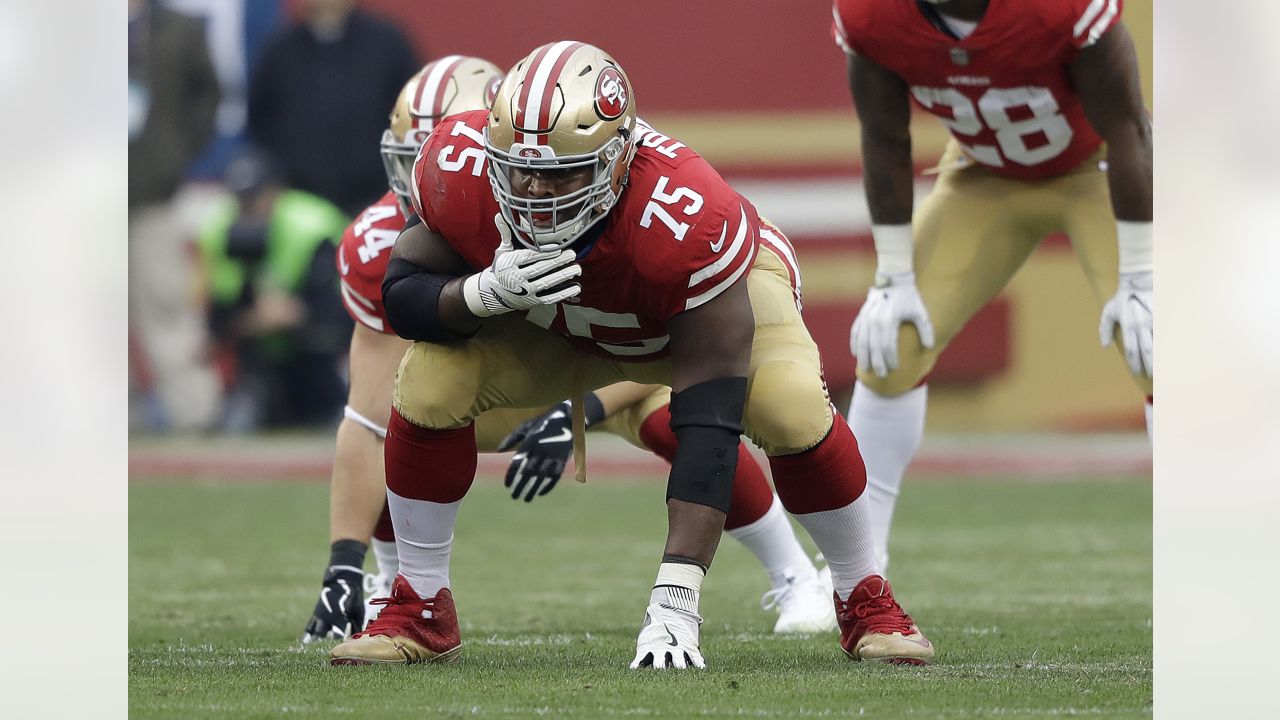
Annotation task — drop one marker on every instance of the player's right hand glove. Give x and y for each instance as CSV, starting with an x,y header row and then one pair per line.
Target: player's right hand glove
x,y
520,279
340,609
668,638
1130,310
893,300
545,444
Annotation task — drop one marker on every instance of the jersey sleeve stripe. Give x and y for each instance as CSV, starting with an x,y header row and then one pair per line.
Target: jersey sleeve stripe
x,y
1103,23
840,35
360,307
714,268
720,287
782,247
1090,13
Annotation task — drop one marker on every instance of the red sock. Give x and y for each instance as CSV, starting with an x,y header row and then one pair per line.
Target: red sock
x,y
383,531
752,495
434,465
827,476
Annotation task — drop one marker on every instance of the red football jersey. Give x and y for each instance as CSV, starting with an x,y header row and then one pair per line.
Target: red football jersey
x,y
1003,91
362,261
678,237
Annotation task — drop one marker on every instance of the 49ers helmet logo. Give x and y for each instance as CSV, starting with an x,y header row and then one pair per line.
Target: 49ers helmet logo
x,y
611,94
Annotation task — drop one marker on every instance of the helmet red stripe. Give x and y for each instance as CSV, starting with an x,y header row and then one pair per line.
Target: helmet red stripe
x,y
544,117
437,103
523,99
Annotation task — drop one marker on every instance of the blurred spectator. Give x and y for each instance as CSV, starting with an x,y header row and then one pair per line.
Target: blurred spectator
x,y
172,97
318,100
275,309
237,32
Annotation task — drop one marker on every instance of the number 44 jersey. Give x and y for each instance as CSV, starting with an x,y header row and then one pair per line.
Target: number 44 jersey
x,y
1004,90
362,261
678,237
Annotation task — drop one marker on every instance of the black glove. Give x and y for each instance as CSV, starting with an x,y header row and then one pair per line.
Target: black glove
x,y
543,446
340,609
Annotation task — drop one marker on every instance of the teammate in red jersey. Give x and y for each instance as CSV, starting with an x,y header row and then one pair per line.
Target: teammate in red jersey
x,y
1030,92
798,590
565,246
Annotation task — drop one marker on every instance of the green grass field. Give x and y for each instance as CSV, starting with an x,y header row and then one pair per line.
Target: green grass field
x,y
1038,597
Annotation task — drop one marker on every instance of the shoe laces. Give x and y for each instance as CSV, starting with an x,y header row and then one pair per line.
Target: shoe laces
x,y
779,597
878,614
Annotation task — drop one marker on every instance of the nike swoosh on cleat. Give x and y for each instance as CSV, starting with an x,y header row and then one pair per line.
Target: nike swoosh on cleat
x,y
670,634
715,246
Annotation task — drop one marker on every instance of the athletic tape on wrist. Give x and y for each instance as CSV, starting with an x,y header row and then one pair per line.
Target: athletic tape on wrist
x,y
1136,246
681,575
894,246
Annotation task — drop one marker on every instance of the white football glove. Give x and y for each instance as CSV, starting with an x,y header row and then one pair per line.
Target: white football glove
x,y
520,279
893,300
668,638
1130,309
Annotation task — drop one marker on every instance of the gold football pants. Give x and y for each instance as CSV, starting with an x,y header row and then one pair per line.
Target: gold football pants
x,y
973,232
512,363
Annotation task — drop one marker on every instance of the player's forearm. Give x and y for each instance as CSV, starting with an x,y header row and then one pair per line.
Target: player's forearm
x,y
1129,174
887,175
421,305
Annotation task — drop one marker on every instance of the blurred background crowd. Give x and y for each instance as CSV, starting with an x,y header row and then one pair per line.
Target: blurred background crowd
x,y
253,141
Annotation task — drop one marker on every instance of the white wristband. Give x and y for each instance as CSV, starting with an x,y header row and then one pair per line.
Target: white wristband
x,y
1136,246
893,248
471,294
680,575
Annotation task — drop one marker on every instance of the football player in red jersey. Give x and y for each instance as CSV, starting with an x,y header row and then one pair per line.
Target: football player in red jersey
x,y
1049,134
799,591
565,246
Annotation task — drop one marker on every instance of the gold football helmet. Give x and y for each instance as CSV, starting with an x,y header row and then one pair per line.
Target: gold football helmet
x,y
443,87
560,138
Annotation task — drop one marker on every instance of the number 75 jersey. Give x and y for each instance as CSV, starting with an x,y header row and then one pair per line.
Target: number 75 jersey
x,y
1004,91
678,237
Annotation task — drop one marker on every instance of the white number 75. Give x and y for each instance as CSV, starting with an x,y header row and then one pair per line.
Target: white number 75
x,y
660,195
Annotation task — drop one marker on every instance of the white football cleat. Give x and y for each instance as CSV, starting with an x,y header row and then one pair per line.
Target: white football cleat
x,y
668,638
375,586
804,606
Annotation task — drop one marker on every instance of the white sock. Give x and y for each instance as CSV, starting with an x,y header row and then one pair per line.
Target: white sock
x,y
384,551
844,537
424,537
889,430
1148,409
773,541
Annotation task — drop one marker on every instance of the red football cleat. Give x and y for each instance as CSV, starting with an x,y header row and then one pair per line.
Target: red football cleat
x,y
873,626
408,630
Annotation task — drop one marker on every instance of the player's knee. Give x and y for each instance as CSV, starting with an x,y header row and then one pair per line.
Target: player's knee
x,y
788,410
437,385
913,366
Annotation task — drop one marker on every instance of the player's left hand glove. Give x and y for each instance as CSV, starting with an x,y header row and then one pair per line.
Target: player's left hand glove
x,y
545,444
668,638
340,609
1130,310
893,300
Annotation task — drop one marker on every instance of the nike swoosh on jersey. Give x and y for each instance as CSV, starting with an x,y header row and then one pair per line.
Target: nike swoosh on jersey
x,y
715,246
342,261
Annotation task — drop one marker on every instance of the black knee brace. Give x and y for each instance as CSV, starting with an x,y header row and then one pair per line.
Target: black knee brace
x,y
707,421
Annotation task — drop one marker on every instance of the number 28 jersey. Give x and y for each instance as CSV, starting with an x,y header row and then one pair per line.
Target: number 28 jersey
x,y
677,238
1003,91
